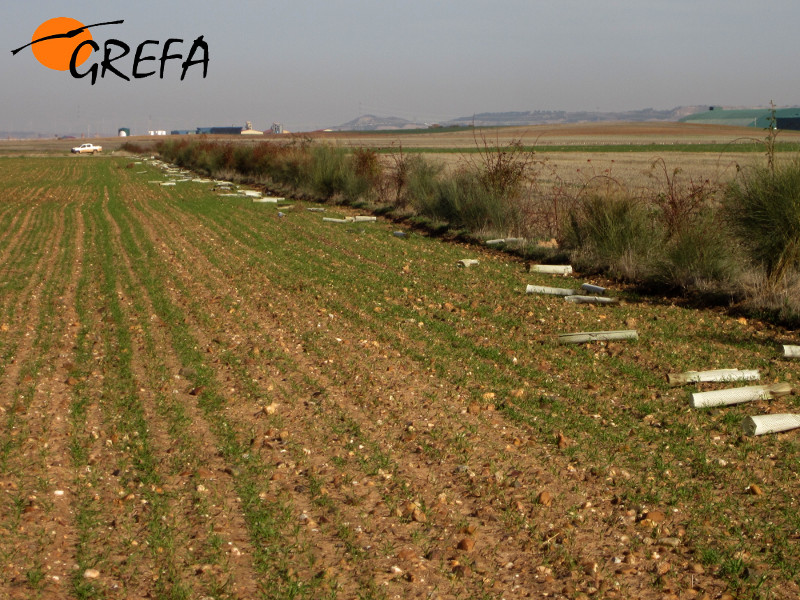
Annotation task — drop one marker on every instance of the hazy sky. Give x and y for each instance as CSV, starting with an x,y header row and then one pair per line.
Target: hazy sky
x,y
316,63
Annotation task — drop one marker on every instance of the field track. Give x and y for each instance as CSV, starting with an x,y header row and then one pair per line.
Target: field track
x,y
202,399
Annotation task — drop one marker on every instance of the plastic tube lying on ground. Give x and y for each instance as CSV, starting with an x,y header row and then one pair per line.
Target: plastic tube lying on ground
x,y
553,269
676,379
505,241
791,351
761,424
364,219
467,262
593,289
332,220
596,336
590,300
740,395
553,291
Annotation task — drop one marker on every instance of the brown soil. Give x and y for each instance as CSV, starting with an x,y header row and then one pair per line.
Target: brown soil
x,y
360,445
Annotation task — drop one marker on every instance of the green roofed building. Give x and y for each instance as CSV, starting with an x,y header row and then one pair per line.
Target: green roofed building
x,y
786,118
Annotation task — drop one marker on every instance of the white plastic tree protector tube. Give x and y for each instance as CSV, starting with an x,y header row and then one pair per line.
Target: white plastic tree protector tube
x,y
791,351
714,375
467,262
553,291
593,289
761,424
590,300
597,336
739,395
554,269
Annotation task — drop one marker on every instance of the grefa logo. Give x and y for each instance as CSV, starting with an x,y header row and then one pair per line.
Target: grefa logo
x,y
65,44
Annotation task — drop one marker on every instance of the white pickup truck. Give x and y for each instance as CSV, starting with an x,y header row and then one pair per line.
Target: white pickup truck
x,y
86,149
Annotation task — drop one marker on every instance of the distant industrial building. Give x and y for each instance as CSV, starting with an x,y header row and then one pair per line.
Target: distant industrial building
x,y
227,130
124,132
248,130
785,118
219,130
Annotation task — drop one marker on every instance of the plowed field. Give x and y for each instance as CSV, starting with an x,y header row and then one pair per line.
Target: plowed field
x,y
200,398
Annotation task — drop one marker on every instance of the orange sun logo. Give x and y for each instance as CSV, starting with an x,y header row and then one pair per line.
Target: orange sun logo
x,y
56,52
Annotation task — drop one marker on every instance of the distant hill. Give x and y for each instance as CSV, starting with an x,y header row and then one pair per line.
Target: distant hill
x,y
20,135
535,117
552,117
373,123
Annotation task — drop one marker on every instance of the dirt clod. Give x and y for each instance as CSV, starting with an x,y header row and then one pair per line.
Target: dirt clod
x,y
467,544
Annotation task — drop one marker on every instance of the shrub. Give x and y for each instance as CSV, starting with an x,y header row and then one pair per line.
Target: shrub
x,y
367,165
244,160
504,170
328,170
679,201
421,181
464,201
763,209
291,167
698,256
615,233
133,148
777,301
332,173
